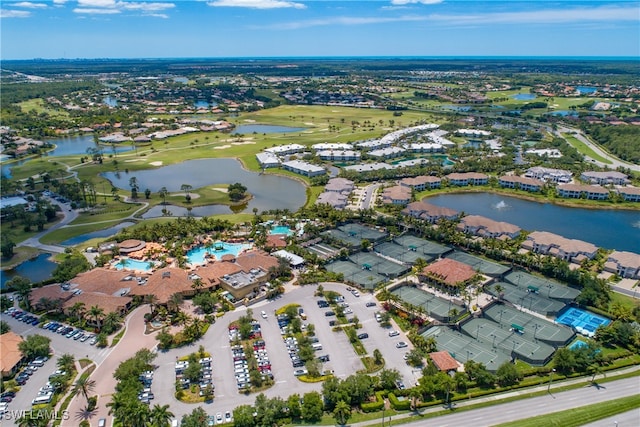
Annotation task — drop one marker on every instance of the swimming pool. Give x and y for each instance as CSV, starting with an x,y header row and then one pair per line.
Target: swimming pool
x,y
583,321
281,229
217,249
134,264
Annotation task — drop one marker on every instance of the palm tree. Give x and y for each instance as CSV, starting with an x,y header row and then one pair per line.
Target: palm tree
x,y
111,322
163,193
342,412
66,362
181,318
77,310
414,395
84,385
96,314
160,416
174,302
152,300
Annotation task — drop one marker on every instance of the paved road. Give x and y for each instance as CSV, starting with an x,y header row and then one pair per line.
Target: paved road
x,y
615,162
68,216
532,407
626,419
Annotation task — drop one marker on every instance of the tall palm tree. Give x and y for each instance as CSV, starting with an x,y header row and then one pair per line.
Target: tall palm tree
x,y
111,322
342,412
77,310
152,300
160,416
174,302
66,362
96,313
84,385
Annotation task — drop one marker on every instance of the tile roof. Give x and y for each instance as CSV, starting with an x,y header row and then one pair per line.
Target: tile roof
x,y
443,361
450,271
10,354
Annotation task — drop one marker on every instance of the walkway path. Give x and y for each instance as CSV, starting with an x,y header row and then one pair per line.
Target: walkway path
x,y
133,340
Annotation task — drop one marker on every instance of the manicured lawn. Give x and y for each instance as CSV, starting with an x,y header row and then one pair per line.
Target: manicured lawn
x,y
584,148
579,416
37,104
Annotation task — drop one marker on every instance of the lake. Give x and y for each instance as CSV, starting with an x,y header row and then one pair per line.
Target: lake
x,y
606,228
247,129
584,90
76,240
69,146
36,269
268,191
110,101
524,96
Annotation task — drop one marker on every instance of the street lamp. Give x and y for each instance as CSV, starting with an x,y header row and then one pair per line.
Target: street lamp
x,y
478,331
535,330
494,340
550,379
469,353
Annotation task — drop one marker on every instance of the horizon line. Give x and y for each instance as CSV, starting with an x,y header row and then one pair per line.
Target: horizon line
x,y
347,57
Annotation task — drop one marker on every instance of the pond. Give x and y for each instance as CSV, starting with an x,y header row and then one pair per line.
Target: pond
x,y
585,90
268,191
606,228
36,269
564,113
96,234
523,96
247,129
110,101
204,104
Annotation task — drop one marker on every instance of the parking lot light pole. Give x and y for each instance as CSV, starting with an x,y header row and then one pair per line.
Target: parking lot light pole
x,y
550,379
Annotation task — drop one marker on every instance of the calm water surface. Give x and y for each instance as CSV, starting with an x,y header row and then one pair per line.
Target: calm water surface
x,y
268,191
36,270
606,228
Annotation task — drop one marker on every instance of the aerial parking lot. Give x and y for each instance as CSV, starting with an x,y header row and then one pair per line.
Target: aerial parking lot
x,y
332,345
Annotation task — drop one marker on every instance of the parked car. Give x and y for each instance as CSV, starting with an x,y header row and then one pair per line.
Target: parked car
x,y
370,304
401,344
394,333
363,335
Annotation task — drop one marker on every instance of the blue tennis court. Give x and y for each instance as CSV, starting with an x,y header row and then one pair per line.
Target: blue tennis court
x,y
583,321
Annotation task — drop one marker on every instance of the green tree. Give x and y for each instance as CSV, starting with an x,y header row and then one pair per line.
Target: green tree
x,y
342,412
160,416
243,416
295,410
6,246
34,346
84,385
388,378
564,360
67,362
197,418
311,407
4,327
507,374
22,287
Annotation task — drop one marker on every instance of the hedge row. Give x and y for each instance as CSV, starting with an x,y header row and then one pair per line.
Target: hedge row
x,y
399,405
374,406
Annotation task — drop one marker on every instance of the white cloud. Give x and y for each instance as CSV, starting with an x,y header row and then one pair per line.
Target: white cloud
x,y
346,20
257,4
95,11
59,1
29,5
545,16
5,13
403,2
111,7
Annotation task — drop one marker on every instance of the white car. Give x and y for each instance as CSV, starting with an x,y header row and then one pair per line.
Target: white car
x,y
394,333
401,344
263,314
219,418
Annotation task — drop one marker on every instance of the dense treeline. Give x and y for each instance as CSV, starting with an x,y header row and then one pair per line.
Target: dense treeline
x,y
622,141
14,93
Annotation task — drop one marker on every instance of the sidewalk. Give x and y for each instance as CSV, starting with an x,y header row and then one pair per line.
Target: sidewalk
x,y
495,397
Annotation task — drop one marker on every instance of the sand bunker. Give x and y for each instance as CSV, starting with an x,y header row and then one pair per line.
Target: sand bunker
x,y
243,143
222,147
249,120
156,163
223,190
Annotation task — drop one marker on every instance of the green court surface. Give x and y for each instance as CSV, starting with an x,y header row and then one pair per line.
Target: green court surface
x,y
362,232
533,327
372,262
545,287
421,246
433,306
463,347
354,273
400,253
324,251
482,265
527,298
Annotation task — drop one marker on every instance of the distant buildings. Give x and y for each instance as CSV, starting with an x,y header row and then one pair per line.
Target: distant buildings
x,y
282,150
572,250
396,195
303,168
428,212
336,193
420,183
624,264
521,183
548,174
339,155
629,194
467,178
552,153
605,178
268,160
577,191
485,227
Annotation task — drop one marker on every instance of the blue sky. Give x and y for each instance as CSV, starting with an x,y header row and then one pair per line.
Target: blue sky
x,y
276,28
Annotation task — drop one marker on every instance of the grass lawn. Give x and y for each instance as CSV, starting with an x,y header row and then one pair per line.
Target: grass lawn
x,y
37,104
584,148
579,416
